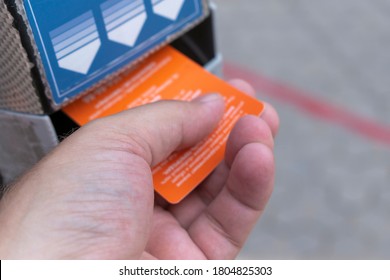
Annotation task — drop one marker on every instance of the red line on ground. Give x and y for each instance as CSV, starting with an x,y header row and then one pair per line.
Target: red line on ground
x,y
311,105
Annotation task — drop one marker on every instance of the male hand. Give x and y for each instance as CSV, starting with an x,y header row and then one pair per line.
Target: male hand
x,y
93,198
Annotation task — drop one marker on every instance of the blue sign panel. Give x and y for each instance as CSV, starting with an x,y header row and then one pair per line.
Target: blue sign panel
x,y
82,42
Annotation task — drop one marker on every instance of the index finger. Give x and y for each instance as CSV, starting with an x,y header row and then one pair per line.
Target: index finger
x,y
270,115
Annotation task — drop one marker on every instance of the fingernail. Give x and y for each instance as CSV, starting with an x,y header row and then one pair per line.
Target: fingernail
x,y
208,98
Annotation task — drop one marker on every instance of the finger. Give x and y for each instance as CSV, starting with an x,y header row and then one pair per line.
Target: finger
x,y
194,204
243,86
270,115
249,129
168,240
155,130
213,183
222,229
147,257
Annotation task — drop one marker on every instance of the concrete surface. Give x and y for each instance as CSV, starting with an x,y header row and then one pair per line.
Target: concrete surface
x,y
332,192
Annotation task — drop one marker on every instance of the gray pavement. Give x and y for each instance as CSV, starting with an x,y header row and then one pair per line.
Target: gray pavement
x,y
332,192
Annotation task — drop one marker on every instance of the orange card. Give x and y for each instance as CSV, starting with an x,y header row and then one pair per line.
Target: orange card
x,y
168,74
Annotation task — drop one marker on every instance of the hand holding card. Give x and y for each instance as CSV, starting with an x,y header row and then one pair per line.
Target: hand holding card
x,y
170,75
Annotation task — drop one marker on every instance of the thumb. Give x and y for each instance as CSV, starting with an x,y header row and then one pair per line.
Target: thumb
x,y
156,130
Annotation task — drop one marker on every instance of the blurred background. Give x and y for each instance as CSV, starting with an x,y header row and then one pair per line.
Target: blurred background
x,y
325,66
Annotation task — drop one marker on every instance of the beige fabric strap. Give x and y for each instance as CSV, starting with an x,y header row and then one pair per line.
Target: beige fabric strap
x,y
17,92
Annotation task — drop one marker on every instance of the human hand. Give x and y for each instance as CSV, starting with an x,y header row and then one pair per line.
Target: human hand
x,y
92,197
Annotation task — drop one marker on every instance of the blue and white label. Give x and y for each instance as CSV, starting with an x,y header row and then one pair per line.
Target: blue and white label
x,y
82,42
124,20
76,43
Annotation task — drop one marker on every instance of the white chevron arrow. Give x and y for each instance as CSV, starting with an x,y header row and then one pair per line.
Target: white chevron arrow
x,y
124,21
168,8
